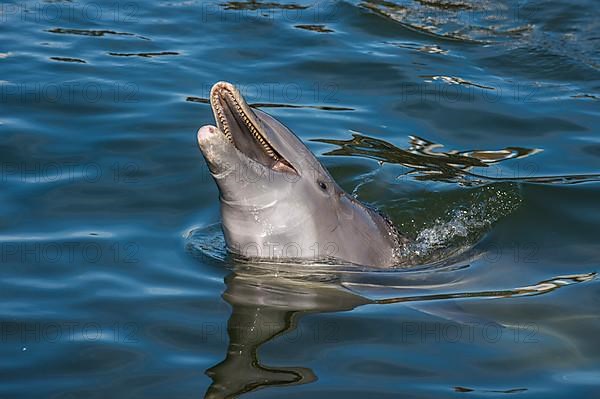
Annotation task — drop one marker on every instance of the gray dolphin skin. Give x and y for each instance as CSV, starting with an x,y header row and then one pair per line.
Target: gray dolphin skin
x,y
277,201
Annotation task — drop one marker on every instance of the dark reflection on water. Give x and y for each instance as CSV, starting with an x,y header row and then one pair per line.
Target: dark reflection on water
x,y
267,304
260,5
96,33
439,19
272,105
86,32
315,28
513,390
427,161
144,55
67,59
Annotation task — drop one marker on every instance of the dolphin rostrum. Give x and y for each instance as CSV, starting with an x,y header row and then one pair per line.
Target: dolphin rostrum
x,y
277,201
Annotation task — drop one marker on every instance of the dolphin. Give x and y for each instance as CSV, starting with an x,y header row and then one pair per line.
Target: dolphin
x,y
278,202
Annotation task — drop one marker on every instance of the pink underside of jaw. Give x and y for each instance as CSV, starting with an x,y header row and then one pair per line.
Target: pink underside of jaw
x,y
206,132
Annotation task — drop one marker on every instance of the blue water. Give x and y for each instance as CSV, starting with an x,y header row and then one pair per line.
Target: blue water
x,y
473,125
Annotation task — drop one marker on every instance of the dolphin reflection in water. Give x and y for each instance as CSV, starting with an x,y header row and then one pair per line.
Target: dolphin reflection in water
x,y
267,303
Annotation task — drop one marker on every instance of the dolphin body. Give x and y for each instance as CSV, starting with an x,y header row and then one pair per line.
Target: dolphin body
x,y
277,201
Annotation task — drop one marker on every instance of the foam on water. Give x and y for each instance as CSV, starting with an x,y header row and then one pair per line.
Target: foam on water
x,y
463,224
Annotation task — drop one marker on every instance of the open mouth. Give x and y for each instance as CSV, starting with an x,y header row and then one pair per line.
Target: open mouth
x,y
240,126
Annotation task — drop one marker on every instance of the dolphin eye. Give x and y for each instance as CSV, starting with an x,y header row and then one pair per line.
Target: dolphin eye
x,y
322,185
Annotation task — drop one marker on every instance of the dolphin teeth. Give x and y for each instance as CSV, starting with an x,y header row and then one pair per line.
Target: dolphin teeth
x,y
268,149
221,118
279,163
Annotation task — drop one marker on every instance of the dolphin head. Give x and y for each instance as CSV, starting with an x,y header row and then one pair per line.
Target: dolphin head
x,y
277,200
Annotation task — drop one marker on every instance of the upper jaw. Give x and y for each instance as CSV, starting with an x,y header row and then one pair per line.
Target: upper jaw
x,y
225,98
241,127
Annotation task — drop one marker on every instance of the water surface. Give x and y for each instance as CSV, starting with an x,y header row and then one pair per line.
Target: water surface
x,y
473,125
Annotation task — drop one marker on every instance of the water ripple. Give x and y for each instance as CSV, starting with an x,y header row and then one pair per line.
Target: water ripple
x,y
426,161
67,59
203,100
144,55
91,32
